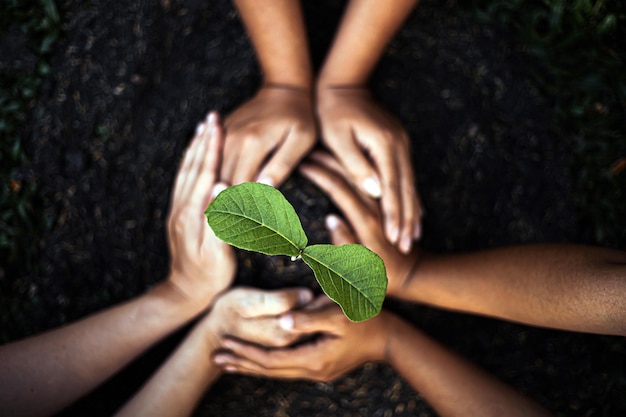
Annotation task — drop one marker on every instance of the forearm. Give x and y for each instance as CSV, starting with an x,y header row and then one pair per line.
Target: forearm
x,y
365,30
179,384
570,287
452,385
276,29
45,373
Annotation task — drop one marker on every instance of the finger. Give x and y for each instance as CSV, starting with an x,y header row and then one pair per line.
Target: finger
x,y
385,161
255,303
187,160
328,318
342,194
243,365
200,189
232,145
334,168
410,228
251,156
286,157
345,148
295,359
340,234
268,331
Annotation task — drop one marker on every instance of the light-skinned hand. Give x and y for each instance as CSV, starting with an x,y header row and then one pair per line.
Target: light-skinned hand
x,y
373,147
363,217
337,346
268,135
202,265
257,316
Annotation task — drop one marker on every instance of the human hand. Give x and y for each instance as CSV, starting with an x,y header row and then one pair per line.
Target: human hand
x,y
267,136
364,218
255,315
374,149
337,347
201,265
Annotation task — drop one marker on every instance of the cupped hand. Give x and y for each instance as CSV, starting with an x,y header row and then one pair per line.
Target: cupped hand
x,y
364,219
373,147
268,135
256,315
336,347
202,265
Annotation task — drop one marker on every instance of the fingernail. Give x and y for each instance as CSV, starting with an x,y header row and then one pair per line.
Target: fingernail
x,y
286,322
332,222
405,244
266,180
371,185
393,234
228,344
220,360
218,188
305,297
230,369
199,129
212,118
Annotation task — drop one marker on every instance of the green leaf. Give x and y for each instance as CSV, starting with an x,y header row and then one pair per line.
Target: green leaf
x,y
351,275
257,217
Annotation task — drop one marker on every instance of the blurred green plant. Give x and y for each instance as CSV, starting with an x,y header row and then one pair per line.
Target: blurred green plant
x,y
21,218
578,58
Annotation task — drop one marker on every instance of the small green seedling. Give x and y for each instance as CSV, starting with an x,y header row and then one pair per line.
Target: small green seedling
x,y
257,217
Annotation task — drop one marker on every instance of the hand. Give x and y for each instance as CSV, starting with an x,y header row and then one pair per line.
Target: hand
x,y
255,315
363,216
277,124
374,149
337,347
202,265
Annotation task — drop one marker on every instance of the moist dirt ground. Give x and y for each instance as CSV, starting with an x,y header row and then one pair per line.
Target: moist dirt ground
x,y
131,79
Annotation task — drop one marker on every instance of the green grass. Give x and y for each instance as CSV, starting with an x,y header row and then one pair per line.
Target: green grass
x,y
577,60
21,215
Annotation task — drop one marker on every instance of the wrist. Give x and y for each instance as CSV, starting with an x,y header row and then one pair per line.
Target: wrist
x,y
397,333
176,300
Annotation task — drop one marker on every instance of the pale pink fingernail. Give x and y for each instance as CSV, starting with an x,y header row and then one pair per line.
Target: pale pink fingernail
x,y
305,297
220,360
218,188
405,244
371,185
286,322
199,129
332,222
392,234
212,118
266,180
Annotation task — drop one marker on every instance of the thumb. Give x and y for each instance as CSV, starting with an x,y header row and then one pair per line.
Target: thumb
x,y
326,319
255,303
340,234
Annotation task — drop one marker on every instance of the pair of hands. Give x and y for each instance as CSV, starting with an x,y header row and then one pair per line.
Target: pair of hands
x,y
337,344
271,133
203,268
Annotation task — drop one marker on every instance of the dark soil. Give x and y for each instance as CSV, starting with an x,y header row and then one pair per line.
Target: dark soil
x,y
131,79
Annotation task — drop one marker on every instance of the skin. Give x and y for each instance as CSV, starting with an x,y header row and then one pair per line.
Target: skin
x,y
453,386
245,313
564,286
268,135
369,142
